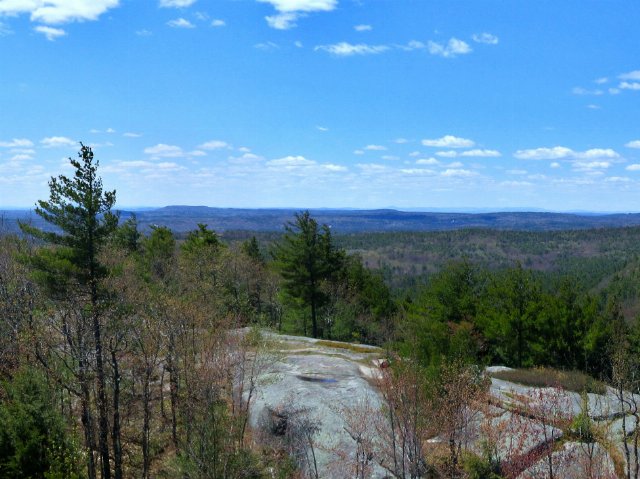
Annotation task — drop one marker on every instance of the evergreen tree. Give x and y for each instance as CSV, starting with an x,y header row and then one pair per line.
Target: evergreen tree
x,y
80,212
306,257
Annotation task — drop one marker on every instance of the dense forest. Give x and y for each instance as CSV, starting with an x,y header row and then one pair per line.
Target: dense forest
x,y
125,354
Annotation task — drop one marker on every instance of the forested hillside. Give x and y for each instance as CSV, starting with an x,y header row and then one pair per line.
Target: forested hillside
x,y
127,353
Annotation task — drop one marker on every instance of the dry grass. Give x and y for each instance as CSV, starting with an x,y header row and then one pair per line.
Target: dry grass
x,y
575,381
356,348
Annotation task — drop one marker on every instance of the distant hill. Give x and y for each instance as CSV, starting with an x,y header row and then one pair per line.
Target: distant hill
x,y
185,218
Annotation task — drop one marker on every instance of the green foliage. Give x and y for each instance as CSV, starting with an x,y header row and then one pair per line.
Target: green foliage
x,y
210,451
81,212
441,322
127,236
202,239
251,248
477,467
158,251
306,257
34,442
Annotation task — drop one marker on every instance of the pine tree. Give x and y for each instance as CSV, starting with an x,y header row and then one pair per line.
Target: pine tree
x,y
306,258
80,212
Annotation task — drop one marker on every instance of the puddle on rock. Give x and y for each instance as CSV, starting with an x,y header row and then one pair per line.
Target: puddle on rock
x,y
317,379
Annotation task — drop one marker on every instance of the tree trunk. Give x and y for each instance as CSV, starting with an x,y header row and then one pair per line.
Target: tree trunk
x,y
314,319
87,425
146,398
115,431
103,423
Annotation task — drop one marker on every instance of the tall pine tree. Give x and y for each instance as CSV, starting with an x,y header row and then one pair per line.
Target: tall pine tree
x,y
80,212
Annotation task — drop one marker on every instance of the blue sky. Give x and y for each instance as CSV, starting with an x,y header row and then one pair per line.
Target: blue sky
x,y
326,103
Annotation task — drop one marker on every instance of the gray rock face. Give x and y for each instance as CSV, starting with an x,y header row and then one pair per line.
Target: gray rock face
x,y
305,400
312,384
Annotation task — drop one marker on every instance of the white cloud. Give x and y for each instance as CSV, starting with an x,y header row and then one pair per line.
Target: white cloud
x,y
389,157
633,144
53,12
412,45
481,153
455,164
401,141
455,172
634,75
486,38
633,167
132,135
162,150
50,32
555,164
168,165
591,165
344,49
363,28
375,148
614,91
322,128
291,161
244,149
57,141
110,130
447,154
516,183
592,106
21,157
283,21
298,44
625,85
217,22
427,161
302,5
358,152
564,153
144,33
584,91
449,141
617,179
176,3
289,11
246,159
301,164
266,46
214,145
418,171
370,168
180,23
17,143
516,172
415,153
332,167
601,81
451,49
136,164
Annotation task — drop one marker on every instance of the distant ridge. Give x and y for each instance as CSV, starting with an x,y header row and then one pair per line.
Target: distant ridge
x,y
181,218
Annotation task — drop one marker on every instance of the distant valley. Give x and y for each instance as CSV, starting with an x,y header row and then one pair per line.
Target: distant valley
x,y
343,221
